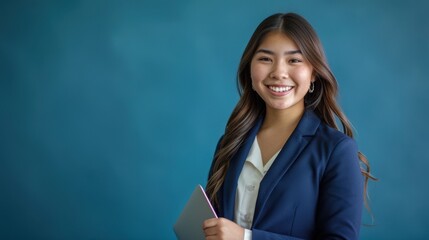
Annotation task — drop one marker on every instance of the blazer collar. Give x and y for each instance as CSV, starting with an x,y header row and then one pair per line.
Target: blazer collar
x,y
296,143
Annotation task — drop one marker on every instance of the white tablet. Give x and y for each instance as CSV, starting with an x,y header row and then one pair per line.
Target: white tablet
x,y
198,209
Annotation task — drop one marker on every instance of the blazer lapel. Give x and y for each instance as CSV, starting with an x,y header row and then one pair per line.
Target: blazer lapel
x,y
287,156
234,170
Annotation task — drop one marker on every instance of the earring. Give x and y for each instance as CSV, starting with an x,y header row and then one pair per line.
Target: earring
x,y
311,89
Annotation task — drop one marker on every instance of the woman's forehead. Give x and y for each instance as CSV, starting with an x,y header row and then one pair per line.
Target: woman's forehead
x,y
278,42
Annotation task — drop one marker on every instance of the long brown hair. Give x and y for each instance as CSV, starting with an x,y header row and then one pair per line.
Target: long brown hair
x,y
250,106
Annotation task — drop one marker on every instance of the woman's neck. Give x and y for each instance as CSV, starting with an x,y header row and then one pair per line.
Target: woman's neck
x,y
282,120
276,129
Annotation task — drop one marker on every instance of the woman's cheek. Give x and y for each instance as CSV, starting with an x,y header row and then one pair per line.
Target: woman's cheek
x,y
303,73
258,73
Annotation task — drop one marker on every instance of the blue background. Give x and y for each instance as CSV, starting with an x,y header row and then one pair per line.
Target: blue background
x,y
110,110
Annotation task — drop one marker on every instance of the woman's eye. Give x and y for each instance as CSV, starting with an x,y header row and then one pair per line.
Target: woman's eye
x,y
295,60
264,59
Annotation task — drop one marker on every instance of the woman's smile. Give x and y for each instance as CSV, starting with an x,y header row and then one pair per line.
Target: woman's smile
x,y
280,89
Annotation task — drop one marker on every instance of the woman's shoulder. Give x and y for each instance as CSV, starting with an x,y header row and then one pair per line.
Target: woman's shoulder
x,y
338,149
333,137
332,134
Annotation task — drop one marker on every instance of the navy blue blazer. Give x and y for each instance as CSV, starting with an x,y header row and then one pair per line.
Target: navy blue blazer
x,y
313,190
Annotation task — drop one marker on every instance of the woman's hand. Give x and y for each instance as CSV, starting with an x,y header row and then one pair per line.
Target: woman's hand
x,y
222,228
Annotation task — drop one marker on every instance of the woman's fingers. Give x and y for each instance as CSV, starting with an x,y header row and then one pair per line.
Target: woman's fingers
x,y
222,228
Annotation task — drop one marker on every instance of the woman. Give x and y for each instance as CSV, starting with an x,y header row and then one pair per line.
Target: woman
x,y
283,170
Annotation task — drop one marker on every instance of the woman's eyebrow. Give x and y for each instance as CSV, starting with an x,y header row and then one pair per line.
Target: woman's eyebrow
x,y
262,50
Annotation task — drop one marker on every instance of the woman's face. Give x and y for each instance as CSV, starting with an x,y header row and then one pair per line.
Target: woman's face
x,y
280,74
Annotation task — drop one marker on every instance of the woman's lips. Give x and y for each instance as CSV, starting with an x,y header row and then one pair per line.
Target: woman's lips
x,y
280,90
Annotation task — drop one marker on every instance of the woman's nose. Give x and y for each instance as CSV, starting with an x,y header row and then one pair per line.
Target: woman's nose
x,y
279,72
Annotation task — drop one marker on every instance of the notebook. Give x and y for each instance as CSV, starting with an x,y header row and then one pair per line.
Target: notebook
x,y
189,225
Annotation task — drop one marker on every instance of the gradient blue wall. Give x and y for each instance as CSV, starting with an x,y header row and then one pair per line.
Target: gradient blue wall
x,y
110,110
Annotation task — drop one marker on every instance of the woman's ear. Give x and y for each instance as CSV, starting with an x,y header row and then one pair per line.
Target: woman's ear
x,y
314,76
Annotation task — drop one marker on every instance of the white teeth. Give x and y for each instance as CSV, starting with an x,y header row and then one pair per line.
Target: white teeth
x,y
280,89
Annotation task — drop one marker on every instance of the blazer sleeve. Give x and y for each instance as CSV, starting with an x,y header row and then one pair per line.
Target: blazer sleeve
x,y
341,194
262,235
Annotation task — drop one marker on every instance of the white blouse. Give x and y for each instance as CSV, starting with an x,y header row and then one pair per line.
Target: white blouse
x,y
248,186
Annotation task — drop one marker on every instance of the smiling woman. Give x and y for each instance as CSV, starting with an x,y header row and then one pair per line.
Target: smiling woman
x,y
280,75
283,168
